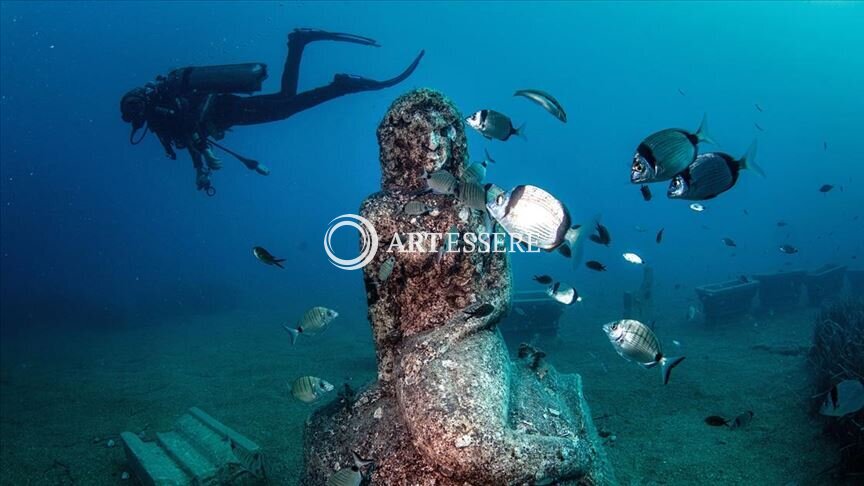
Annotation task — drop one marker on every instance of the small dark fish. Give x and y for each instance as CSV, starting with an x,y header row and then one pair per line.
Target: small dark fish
x,y
741,421
826,188
543,279
825,146
482,311
758,107
746,213
681,92
789,249
265,257
602,237
715,420
492,124
662,155
782,223
546,100
758,127
743,279
595,265
646,192
659,237
729,242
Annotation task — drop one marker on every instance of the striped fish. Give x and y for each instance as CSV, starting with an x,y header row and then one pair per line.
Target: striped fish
x,y
472,195
386,269
533,216
309,388
475,172
546,100
636,342
710,175
664,154
313,322
415,208
441,182
349,476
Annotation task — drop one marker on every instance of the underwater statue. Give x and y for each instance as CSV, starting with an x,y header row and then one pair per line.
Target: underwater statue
x,y
449,407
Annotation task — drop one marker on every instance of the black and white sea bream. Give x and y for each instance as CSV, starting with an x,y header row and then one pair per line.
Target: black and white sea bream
x,y
442,182
662,155
350,476
546,100
309,388
636,342
534,217
313,321
492,124
710,175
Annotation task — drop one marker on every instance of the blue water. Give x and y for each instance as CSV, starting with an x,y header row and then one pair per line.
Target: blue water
x,y
99,233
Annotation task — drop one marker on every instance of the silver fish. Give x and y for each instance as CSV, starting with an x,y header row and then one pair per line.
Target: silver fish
x,y
349,476
492,124
710,175
441,182
546,100
309,388
636,342
664,154
415,208
475,172
386,269
472,195
563,293
313,321
534,217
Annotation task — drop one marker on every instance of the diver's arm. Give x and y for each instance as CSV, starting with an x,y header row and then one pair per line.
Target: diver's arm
x,y
230,110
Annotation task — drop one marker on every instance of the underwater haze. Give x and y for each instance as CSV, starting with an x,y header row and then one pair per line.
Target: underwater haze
x,y
128,296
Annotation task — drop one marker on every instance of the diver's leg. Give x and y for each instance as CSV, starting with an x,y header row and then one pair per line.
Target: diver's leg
x,y
235,110
297,41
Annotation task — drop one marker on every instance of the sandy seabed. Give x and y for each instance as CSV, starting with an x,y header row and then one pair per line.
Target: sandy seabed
x,y
64,395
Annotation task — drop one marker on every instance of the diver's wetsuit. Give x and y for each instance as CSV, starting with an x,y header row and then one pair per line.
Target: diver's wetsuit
x,y
190,118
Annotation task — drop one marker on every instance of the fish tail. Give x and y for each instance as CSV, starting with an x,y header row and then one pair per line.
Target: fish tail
x,y
293,332
278,262
520,132
702,132
666,366
748,161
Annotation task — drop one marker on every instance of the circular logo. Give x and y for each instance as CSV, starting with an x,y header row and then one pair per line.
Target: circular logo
x,y
368,237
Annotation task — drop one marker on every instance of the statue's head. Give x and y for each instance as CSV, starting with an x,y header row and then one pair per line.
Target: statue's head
x,y
421,133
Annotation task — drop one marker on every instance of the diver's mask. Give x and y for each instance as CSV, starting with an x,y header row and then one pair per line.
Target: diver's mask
x,y
133,109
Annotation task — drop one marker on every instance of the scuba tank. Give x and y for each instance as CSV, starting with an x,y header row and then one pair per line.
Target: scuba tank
x,y
227,78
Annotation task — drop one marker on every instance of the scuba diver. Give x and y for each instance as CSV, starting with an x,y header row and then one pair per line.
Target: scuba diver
x,y
192,107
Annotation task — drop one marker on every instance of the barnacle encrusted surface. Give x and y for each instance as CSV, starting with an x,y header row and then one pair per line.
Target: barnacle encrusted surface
x,y
449,406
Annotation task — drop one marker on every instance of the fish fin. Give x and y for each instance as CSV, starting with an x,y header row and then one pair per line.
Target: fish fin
x,y
359,461
575,237
702,132
293,332
489,157
748,161
666,366
520,132
278,263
